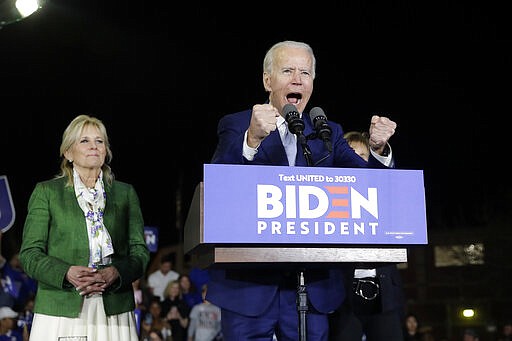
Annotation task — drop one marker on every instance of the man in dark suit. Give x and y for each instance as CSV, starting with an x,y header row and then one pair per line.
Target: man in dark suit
x,y
258,303
375,307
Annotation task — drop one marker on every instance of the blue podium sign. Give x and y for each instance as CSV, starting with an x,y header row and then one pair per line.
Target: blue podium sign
x,y
306,205
7,212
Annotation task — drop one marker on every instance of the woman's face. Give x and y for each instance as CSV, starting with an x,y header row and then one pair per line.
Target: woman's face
x,y
174,290
89,151
411,323
185,283
155,309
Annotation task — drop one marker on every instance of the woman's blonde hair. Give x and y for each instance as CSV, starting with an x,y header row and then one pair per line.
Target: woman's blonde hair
x,y
71,135
168,287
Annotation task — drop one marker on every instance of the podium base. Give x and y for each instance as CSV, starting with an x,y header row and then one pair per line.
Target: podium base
x,y
211,255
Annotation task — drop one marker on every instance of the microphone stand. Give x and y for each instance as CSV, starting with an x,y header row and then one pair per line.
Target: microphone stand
x,y
296,126
305,148
302,300
328,146
302,306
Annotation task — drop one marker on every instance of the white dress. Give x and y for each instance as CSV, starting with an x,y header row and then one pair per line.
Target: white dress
x,y
92,325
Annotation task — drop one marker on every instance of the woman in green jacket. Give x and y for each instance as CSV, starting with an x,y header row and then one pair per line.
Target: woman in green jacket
x,y
83,241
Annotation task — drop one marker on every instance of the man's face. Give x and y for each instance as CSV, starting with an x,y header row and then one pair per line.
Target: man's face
x,y
291,80
165,267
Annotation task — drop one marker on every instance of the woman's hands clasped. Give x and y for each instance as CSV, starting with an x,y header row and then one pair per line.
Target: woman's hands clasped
x,y
88,281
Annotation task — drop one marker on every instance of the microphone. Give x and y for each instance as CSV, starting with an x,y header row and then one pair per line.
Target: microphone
x,y
296,126
323,130
292,117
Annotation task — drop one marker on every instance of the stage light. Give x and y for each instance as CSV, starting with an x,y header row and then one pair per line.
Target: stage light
x,y
468,313
26,7
12,11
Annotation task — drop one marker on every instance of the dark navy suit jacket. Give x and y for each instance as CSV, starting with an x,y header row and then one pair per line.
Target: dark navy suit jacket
x,y
390,286
250,291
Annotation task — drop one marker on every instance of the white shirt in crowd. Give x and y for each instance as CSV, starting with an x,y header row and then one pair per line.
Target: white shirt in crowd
x,y
158,281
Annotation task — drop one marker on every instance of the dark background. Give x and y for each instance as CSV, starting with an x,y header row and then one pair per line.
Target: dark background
x,y
160,75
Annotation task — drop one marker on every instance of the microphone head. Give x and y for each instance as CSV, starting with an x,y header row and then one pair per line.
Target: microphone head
x,y
317,113
292,117
289,110
322,128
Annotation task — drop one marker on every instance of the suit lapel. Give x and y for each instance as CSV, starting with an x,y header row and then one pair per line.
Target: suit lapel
x,y
273,150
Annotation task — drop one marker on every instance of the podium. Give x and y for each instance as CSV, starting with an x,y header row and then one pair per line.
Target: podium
x,y
221,254
302,218
243,216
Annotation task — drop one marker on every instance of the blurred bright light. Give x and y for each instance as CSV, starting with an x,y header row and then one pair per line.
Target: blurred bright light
x,y
468,313
12,11
27,7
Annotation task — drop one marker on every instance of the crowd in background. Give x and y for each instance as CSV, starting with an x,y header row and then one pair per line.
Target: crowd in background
x,y
171,306
17,293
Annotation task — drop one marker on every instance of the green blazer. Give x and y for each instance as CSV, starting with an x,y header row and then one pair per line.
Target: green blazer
x,y
55,238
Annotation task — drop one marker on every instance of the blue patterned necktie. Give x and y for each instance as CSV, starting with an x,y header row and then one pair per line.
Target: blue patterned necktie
x,y
289,143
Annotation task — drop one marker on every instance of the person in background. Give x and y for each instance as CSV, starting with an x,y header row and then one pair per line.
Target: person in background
x,y
6,297
15,287
506,332
470,335
359,141
205,321
18,283
153,320
375,307
258,303
155,335
83,241
198,276
176,311
158,279
189,292
412,328
142,298
9,331
141,294
26,315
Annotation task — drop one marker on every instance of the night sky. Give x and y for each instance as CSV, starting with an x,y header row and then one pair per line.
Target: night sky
x,y
161,75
